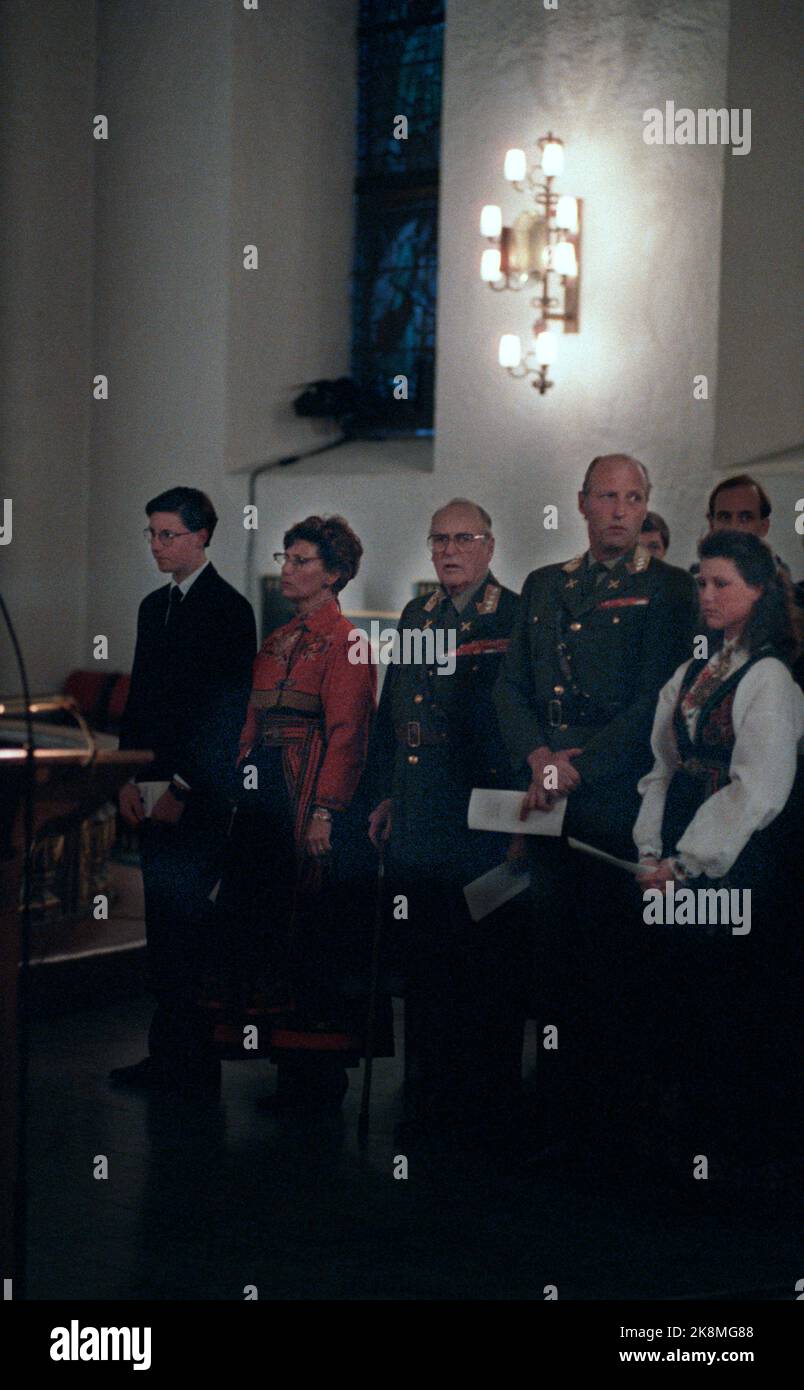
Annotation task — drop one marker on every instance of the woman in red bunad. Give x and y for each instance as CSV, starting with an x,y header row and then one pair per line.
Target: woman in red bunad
x,y
290,933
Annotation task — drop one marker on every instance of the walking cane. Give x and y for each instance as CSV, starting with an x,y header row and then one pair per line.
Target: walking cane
x,y
363,1118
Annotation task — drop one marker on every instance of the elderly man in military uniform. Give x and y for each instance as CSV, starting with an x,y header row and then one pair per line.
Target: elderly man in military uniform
x,y
436,738
595,640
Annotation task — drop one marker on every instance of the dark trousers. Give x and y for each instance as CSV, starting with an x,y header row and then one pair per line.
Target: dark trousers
x,y
464,1009
179,868
593,970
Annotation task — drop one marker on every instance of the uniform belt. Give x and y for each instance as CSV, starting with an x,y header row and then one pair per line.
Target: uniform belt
x,y
412,735
294,700
556,713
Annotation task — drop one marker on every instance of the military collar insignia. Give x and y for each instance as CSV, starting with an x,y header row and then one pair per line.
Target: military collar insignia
x,y
640,561
570,584
490,599
465,627
572,565
435,598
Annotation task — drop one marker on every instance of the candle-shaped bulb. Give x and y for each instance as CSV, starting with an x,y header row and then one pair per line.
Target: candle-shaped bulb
x,y
567,213
490,265
510,353
552,158
564,260
515,166
490,220
546,348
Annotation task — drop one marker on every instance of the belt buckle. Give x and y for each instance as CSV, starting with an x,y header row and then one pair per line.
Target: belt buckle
x,y
554,713
414,733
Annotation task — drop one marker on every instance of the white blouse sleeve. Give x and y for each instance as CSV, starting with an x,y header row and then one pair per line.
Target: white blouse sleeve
x,y
768,719
653,786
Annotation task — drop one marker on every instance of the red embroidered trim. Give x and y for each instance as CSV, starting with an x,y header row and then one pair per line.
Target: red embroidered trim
x,y
624,603
287,1039
718,729
489,644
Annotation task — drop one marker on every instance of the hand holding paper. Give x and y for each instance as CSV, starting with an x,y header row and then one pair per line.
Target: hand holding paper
x,y
490,809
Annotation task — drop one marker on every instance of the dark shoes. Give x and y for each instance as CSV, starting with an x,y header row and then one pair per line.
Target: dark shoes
x,y
147,1075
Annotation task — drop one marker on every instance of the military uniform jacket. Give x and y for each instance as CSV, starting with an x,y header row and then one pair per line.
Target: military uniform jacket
x,y
436,736
587,660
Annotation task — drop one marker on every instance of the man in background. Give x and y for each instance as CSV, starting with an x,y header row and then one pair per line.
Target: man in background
x,y
741,503
655,535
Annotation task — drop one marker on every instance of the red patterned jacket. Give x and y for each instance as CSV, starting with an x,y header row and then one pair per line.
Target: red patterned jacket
x,y
308,657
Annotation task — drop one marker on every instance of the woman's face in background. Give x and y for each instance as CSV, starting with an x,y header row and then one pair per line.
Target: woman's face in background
x,y
726,600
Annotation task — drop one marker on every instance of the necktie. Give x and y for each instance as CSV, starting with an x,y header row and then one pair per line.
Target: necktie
x,y
595,576
174,601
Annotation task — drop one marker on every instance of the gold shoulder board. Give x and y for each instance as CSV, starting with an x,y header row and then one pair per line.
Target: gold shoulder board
x,y
640,562
490,599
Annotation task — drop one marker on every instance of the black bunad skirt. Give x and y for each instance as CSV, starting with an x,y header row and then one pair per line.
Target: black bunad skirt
x,y
727,1018
287,967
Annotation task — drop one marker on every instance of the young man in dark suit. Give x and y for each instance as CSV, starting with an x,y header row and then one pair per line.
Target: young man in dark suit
x,y
196,642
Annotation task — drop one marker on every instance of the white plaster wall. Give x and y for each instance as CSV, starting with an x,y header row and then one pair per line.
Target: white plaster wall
x,y
650,289
162,255
650,257
47,81
293,163
760,398
759,406
207,115
293,153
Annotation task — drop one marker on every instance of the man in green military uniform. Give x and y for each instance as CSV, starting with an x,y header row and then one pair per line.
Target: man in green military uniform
x,y
595,640
436,737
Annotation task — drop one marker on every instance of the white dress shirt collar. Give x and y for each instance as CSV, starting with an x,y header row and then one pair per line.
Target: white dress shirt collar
x,y
186,584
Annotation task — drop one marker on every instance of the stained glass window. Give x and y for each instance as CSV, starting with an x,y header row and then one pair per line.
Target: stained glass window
x,y
400,45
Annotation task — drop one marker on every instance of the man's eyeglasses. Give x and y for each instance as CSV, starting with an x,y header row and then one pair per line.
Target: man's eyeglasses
x,y
283,558
164,537
462,540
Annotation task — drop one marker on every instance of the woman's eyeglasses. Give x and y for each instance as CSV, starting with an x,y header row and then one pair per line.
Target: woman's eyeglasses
x,y
282,557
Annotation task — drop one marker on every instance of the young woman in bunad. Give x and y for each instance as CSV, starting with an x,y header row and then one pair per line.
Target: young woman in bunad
x,y
721,809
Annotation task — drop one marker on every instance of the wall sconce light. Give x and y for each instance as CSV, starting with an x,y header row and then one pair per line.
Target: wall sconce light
x,y
542,247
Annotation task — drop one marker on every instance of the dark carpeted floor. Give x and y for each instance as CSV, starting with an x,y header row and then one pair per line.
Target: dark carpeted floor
x,y
201,1204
